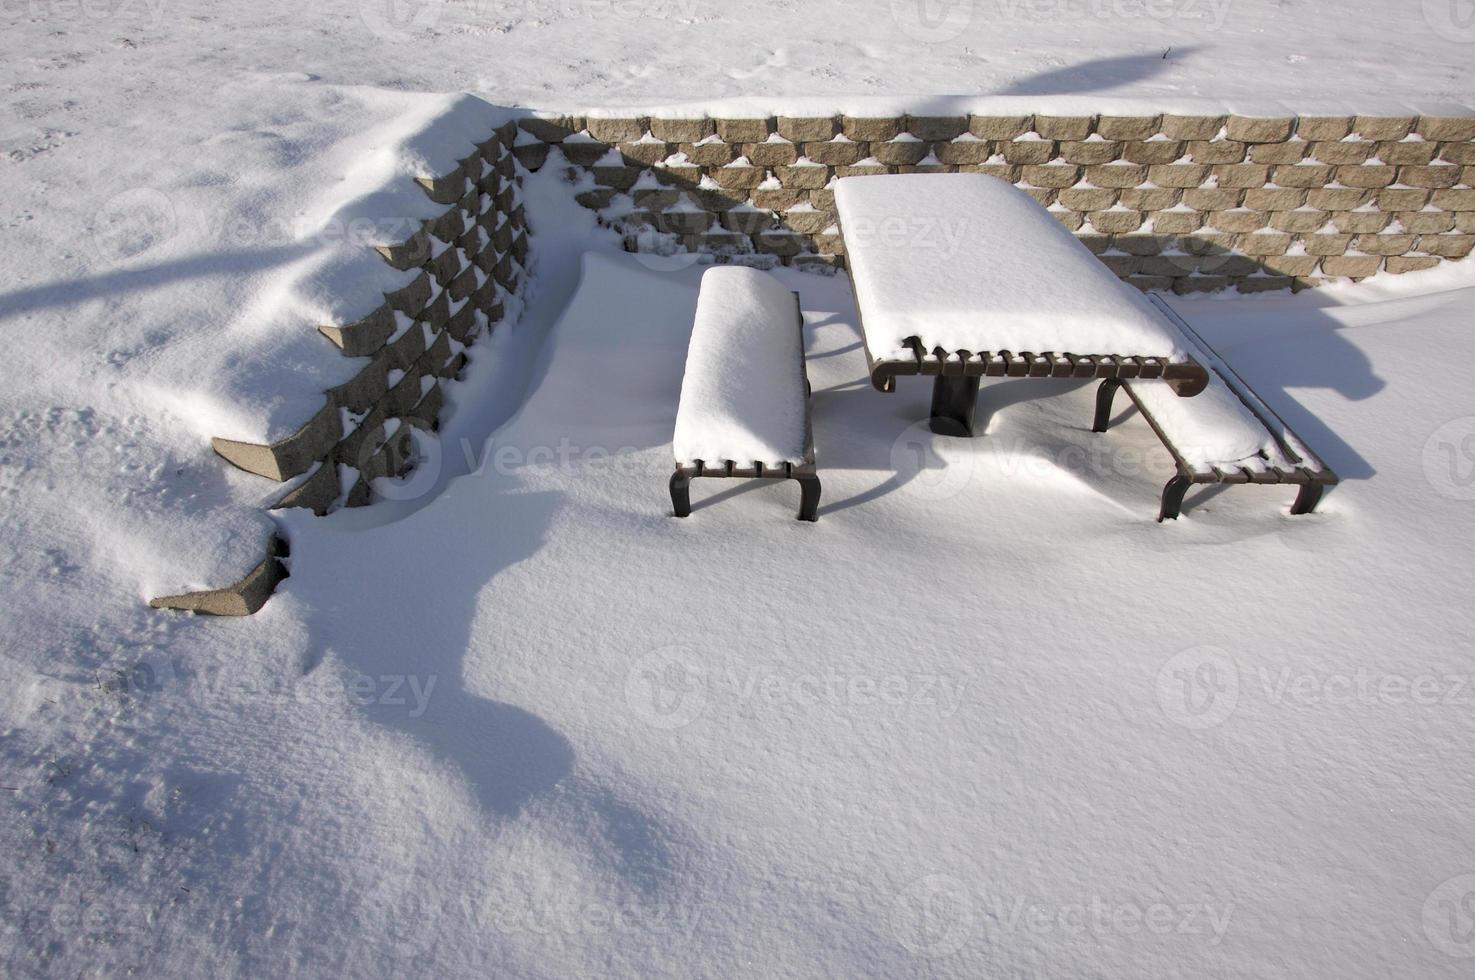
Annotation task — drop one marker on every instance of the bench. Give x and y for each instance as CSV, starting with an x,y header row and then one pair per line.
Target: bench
x,y
1226,434
744,410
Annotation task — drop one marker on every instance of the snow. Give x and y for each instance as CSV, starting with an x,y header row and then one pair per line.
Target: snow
x,y
970,262
1213,428
742,393
984,718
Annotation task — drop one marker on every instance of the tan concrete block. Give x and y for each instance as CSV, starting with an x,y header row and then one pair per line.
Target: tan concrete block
x,y
1456,129
770,154
1212,198
1289,152
1089,198
743,130
1402,154
823,200
1426,222
620,178
1178,175
1361,222
1149,284
937,128
961,151
1465,222
1303,175
1291,265
999,127
747,221
1116,222
1117,175
1326,244
710,154
1044,196
1241,175
1122,265
1343,154
615,129
682,130
738,178
808,129
1246,129
1095,243
1236,220
1153,152
1150,198
1315,129
777,199
836,154
1143,243
871,129
1454,199
898,153
1447,246
1304,220
1383,127
1070,219
802,178
1367,176
1064,127
1337,198
552,129
1127,127
1191,127
645,153
1090,153
863,170
1433,178
1460,153
1398,264
1002,171
1218,151
1177,222
1027,151
1275,198
1052,175
1355,266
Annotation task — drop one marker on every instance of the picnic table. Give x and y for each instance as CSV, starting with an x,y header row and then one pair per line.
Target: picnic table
x,y
964,276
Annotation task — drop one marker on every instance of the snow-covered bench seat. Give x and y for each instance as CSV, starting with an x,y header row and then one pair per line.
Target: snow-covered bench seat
x,y
965,276
1227,434
744,409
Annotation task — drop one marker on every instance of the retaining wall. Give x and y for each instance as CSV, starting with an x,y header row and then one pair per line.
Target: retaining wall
x,y
1187,203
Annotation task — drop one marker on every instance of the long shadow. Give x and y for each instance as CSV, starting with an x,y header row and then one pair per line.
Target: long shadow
x,y
396,606
1096,75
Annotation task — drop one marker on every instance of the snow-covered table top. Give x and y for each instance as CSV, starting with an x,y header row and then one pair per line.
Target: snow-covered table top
x,y
968,262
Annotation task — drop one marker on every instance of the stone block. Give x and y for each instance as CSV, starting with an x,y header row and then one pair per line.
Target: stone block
x,y
1090,153
1289,152
1383,127
955,151
1290,265
897,153
1373,244
1072,220
1314,129
1178,175
1191,127
1366,176
999,127
1398,264
1454,199
1274,198
1241,175
1337,198
644,154
1003,171
803,178
1143,243
1115,222
1431,178
1303,175
1217,151
1153,152
1426,222
1247,129
808,129
1355,266
710,154
937,128
551,129
1465,222
871,169
1236,220
1117,175
1212,198
1303,220
1122,265
781,243
1460,153
621,178
836,153
1401,154
738,177
743,130
876,129
778,200
808,222
1052,175
1044,196
1150,198
1326,244
686,222
682,130
1024,152
1360,222
1127,127
1064,127
823,200
1447,246
1264,243
1343,154
1149,284
615,129
748,221
1177,222
1089,198
1455,129
770,154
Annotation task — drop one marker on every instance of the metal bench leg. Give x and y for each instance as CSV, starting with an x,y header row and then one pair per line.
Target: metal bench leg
x,y
681,494
1173,498
1104,396
808,497
954,397
1307,498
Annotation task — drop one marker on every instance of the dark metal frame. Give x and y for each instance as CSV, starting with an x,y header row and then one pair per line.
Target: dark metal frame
x,y
1311,475
804,473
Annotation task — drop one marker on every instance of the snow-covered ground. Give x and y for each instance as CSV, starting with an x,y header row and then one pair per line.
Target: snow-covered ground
x,y
984,718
